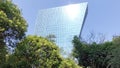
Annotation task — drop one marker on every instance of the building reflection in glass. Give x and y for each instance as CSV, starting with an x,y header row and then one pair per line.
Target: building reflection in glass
x,y
64,22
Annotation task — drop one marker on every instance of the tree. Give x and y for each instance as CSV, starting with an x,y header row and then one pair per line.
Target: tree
x,y
115,53
68,63
12,27
95,55
80,52
99,54
36,52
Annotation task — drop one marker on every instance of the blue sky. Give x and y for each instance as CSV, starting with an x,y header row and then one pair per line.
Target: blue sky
x,y
103,15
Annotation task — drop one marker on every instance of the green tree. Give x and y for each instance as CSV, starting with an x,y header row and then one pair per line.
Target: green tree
x,y
68,63
80,52
95,55
99,54
37,52
12,27
115,60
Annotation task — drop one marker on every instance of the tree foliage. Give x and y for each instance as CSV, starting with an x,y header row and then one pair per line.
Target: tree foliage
x,y
115,60
68,63
37,52
95,55
12,25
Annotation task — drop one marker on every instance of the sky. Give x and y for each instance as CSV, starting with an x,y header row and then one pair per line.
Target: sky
x,y
103,15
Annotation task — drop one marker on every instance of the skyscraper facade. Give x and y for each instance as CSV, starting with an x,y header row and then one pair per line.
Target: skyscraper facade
x,y
64,22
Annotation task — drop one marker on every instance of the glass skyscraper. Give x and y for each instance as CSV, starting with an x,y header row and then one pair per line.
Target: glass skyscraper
x,y
64,22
